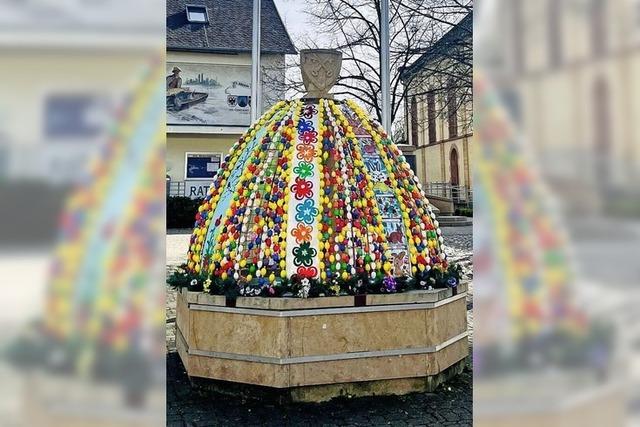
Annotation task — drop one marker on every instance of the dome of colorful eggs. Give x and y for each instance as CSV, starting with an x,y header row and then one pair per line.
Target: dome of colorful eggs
x,y
315,190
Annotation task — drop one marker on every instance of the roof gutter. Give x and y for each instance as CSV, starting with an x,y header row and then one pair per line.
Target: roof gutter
x,y
226,50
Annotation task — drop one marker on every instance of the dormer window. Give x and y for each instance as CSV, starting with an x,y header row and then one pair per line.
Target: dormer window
x,y
197,14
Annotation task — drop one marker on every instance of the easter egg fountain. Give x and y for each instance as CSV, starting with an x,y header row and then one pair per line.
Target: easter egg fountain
x,y
316,266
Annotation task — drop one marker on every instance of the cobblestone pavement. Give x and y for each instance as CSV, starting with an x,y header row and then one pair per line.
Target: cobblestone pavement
x,y
460,238
450,405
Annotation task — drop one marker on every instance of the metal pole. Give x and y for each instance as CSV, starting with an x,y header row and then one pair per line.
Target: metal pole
x,y
256,101
385,71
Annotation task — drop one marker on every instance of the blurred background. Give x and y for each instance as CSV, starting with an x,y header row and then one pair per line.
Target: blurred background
x,y
557,219
82,212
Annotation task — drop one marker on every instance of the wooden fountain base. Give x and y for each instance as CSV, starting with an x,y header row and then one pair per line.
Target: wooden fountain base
x,y
319,348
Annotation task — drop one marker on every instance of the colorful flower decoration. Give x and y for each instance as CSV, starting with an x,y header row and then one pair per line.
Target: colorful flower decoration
x,y
306,152
303,255
306,212
307,272
304,170
308,137
302,188
305,126
302,233
309,111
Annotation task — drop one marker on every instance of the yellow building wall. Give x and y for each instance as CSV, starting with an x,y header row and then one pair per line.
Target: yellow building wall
x,y
561,126
179,145
433,161
558,103
420,167
469,161
102,73
448,146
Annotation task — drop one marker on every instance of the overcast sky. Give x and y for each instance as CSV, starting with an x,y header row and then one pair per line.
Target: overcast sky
x,y
292,13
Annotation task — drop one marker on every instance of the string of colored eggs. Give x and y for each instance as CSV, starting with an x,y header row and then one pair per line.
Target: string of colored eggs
x,y
347,184
270,228
244,207
336,222
349,232
362,220
99,278
528,248
249,260
377,136
273,235
206,210
218,187
330,212
81,216
380,245
342,257
374,253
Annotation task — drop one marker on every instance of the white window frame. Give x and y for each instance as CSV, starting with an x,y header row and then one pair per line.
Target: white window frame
x,y
199,153
206,13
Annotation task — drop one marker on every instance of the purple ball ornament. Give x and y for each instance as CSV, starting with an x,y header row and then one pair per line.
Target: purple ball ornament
x,y
389,284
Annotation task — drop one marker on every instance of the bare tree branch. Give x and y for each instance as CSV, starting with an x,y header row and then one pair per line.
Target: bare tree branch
x,y
353,26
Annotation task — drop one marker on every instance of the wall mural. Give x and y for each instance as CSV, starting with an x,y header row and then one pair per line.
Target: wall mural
x,y
208,94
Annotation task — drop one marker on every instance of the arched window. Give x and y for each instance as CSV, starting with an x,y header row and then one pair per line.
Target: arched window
x,y
452,110
555,39
431,117
598,12
453,165
518,30
455,177
602,131
414,121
